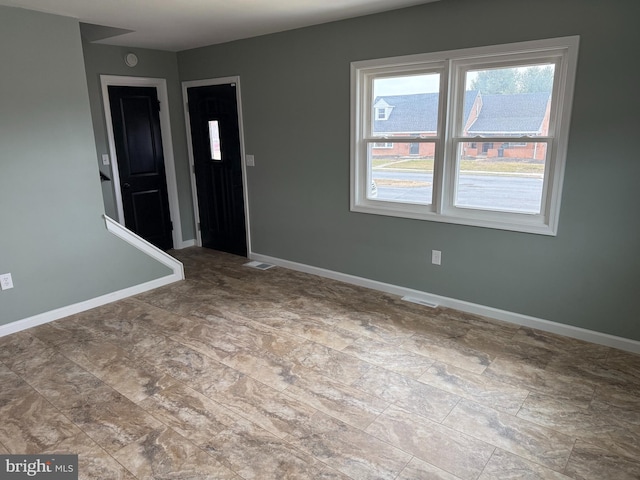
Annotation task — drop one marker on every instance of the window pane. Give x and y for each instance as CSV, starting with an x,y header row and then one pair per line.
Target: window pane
x,y
405,105
507,101
397,177
214,139
501,176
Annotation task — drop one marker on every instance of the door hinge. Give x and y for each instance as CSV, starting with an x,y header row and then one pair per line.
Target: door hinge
x,y
158,105
199,228
171,225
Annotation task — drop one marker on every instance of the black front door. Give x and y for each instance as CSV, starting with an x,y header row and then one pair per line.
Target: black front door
x,y
138,141
215,137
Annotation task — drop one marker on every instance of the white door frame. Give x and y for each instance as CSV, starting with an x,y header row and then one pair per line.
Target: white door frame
x,y
194,189
160,85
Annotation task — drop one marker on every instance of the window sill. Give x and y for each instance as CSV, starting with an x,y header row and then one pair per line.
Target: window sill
x,y
495,220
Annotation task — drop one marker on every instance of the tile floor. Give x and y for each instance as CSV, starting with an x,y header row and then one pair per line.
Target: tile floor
x,y
238,373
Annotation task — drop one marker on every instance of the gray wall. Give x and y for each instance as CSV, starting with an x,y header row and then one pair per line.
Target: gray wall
x,y
295,88
109,60
53,241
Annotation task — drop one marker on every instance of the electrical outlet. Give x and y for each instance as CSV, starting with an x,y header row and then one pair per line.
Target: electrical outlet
x,y
436,257
6,282
250,160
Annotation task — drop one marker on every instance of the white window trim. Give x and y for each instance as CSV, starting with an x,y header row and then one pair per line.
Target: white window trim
x,y
452,65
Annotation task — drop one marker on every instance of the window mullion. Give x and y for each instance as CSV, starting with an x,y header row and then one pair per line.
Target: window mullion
x,y
452,104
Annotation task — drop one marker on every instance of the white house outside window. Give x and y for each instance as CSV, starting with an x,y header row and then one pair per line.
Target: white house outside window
x,y
475,136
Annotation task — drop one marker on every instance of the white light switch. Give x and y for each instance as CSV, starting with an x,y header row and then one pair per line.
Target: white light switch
x,y
251,161
105,159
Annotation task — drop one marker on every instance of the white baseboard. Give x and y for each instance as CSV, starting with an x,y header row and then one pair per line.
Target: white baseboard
x,y
132,239
503,315
185,244
62,312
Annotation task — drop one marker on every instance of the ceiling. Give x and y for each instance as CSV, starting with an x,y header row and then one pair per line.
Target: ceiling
x,y
176,25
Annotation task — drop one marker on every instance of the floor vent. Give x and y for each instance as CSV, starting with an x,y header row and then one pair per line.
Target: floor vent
x,y
259,265
420,302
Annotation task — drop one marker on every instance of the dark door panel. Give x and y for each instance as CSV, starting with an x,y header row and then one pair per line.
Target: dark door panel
x,y
215,138
143,184
149,219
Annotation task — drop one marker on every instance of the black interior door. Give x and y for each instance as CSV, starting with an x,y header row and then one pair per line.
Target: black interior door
x,y
138,142
215,138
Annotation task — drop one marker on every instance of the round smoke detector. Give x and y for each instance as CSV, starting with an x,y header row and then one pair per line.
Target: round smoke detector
x,y
131,59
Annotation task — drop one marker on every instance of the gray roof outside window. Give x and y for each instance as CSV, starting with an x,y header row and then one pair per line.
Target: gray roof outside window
x,y
513,114
519,113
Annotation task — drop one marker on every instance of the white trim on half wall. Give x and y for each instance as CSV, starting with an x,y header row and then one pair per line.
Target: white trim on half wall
x,y
132,239
149,249
432,300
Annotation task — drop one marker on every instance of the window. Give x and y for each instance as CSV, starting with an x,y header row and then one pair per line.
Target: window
x,y
214,140
382,110
479,135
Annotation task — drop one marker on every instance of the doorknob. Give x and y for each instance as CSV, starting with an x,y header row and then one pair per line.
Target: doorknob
x,y
126,185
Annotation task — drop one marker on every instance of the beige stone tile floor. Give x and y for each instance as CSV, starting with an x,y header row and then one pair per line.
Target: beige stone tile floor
x,y
238,373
